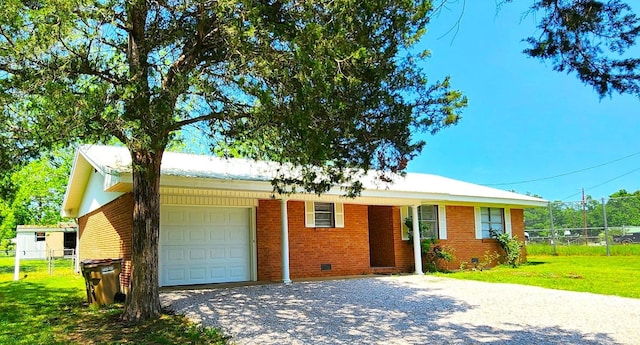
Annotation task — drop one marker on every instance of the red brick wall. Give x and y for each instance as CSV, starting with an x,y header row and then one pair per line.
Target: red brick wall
x,y
346,249
106,234
268,240
381,236
461,236
517,229
402,248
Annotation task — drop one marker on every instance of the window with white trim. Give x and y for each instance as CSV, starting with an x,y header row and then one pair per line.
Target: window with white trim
x,y
40,236
432,216
428,218
324,215
491,218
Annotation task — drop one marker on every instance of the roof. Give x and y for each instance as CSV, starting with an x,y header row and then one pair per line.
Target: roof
x,y
60,227
177,168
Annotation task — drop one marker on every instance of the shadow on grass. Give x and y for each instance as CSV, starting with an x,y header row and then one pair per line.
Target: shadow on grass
x,y
25,267
535,263
30,311
54,311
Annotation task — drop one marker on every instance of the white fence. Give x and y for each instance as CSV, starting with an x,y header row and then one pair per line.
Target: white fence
x,y
51,256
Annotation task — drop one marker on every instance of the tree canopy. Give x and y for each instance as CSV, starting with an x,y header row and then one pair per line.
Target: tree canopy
x,y
595,39
38,188
330,86
333,87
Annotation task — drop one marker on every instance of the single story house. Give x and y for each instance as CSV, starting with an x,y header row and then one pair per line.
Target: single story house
x,y
221,222
41,242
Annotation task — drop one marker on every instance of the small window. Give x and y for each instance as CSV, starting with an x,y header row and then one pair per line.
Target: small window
x,y
491,219
40,236
325,215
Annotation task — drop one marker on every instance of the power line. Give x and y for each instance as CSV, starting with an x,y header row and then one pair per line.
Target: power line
x,y
561,175
603,183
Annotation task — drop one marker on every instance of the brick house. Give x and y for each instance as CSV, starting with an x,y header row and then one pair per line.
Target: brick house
x,y
220,221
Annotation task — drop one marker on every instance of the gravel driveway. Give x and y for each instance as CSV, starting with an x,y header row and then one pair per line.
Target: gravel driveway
x,y
410,310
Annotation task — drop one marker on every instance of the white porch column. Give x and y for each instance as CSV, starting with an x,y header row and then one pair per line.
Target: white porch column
x,y
417,250
284,227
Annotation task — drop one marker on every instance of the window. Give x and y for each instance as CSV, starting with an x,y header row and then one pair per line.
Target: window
x,y
324,215
428,217
498,219
40,236
432,217
491,218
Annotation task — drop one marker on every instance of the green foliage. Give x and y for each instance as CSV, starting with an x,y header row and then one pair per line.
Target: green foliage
x,y
511,246
37,192
299,82
333,88
7,221
432,252
622,208
594,39
7,245
40,187
423,229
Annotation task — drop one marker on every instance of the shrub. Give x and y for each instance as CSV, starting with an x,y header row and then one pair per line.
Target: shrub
x,y
432,252
511,246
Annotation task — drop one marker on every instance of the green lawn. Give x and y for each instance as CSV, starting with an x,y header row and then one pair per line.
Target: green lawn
x,y
614,275
562,250
52,309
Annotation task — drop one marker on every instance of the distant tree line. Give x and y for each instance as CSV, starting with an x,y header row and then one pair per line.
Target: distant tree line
x,y
622,210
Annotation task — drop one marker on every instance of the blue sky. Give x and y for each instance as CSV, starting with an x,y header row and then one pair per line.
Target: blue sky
x,y
524,120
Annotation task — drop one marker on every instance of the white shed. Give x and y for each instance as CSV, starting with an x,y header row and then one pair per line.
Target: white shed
x,y
41,242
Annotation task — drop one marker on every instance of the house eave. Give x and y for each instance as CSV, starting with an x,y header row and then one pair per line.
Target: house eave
x,y
264,190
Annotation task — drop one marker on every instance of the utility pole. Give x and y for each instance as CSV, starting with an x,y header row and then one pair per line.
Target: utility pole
x,y
584,218
554,233
606,226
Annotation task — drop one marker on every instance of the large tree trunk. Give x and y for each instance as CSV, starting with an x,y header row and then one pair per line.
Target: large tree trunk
x,y
143,301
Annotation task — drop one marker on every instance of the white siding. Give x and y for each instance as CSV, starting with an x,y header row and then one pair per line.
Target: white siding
x,y
95,196
29,247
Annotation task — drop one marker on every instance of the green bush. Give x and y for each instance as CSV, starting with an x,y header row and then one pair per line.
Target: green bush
x,y
511,246
432,252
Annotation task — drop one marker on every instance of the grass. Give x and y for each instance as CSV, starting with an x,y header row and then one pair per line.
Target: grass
x,y
613,275
52,309
564,250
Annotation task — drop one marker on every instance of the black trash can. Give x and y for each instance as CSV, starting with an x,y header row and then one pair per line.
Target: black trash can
x,y
102,279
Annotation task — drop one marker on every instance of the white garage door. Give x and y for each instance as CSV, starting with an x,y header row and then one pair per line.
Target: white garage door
x,y
200,245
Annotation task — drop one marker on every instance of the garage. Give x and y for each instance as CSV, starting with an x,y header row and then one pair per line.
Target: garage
x,y
201,245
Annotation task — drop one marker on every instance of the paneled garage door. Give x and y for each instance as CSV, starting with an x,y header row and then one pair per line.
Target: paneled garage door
x,y
200,245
